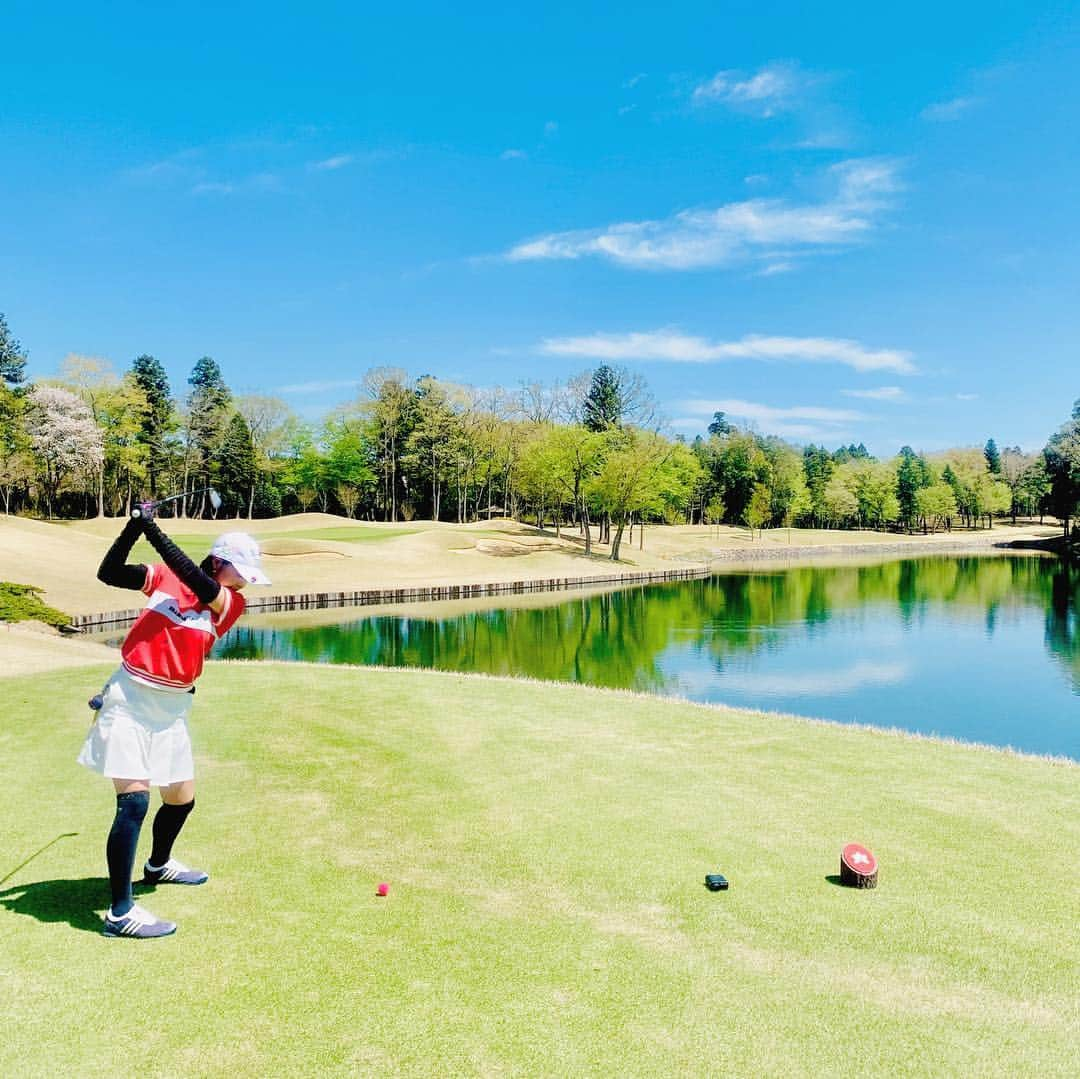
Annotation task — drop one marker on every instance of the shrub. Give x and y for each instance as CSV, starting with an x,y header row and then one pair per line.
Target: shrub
x,y
21,603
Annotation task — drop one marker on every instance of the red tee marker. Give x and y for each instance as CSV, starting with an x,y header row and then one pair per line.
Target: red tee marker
x,y
858,867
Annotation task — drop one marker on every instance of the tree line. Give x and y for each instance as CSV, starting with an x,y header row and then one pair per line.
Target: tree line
x,y
588,453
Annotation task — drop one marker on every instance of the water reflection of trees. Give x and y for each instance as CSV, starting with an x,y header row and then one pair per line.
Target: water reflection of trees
x,y
618,639
1063,620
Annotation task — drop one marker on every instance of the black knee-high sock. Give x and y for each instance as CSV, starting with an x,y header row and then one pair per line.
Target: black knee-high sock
x,y
168,821
120,849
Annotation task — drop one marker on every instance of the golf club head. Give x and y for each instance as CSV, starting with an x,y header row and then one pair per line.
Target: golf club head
x,y
215,499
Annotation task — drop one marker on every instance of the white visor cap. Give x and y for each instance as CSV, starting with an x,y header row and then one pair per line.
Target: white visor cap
x,y
243,552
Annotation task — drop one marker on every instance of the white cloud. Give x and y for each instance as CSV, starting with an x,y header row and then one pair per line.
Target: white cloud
x,y
967,397
670,346
260,181
513,155
319,387
799,421
818,683
634,80
213,188
947,111
624,109
330,163
780,89
774,268
551,128
756,412
775,88
179,166
882,393
735,232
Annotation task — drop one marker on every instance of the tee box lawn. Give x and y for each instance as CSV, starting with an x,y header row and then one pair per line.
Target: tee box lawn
x,y
546,848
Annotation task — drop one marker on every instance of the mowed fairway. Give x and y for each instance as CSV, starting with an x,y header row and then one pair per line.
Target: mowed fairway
x,y
545,847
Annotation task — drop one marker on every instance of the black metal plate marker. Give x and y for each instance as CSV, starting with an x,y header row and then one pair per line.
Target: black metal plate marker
x,y
715,882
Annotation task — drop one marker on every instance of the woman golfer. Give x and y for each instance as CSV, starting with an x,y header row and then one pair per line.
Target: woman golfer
x,y
140,736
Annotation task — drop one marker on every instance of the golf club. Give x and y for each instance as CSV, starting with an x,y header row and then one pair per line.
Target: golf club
x,y
215,500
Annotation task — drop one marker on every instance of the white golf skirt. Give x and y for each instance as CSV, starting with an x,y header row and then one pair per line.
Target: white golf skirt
x,y
140,733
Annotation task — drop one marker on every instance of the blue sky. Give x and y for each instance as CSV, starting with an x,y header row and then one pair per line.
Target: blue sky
x,y
836,223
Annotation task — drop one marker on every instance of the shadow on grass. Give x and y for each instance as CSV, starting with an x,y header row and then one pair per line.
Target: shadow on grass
x,y
834,878
73,901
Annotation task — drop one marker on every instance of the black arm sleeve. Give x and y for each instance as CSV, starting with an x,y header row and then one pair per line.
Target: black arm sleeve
x,y
203,585
114,569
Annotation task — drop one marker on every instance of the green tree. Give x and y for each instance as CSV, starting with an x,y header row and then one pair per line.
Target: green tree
x,y
158,421
304,465
348,471
993,457
429,445
538,475
209,412
628,477
390,412
789,497
16,462
677,478
1062,456
841,504
978,492
603,406
237,471
874,485
737,464
268,421
720,425
852,453
578,457
936,504
756,514
714,513
1035,486
912,474
818,466
12,356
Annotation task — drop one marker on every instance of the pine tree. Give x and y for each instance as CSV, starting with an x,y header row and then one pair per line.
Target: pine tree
x,y
603,406
720,425
912,474
208,413
993,457
236,466
12,357
1062,457
150,377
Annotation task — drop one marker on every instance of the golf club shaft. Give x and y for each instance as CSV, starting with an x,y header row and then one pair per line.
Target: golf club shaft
x,y
172,498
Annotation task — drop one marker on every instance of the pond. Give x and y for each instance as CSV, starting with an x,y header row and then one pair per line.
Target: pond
x,y
984,649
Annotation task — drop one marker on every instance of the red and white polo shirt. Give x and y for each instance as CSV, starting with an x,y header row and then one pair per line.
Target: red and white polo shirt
x,y
175,632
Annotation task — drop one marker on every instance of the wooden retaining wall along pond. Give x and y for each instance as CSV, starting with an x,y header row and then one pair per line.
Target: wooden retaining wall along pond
x,y
308,601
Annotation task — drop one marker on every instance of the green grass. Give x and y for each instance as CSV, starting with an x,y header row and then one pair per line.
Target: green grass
x,y
20,603
198,546
546,847
353,534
